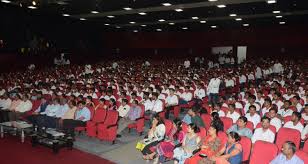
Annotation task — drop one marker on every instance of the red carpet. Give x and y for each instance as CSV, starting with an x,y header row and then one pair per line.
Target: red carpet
x,y
12,151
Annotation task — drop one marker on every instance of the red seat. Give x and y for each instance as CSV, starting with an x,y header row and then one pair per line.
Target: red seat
x,y
35,105
108,129
227,122
99,117
263,152
184,127
287,134
169,125
139,122
176,111
80,129
272,127
223,137
246,145
249,125
95,101
288,118
225,109
207,119
305,148
302,155
202,133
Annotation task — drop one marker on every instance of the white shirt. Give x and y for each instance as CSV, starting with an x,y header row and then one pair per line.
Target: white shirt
x,y
288,97
187,64
305,116
51,110
213,86
242,79
199,93
234,116
262,135
251,76
276,122
238,105
229,83
278,103
2,91
24,106
157,106
172,100
261,101
298,127
162,97
5,103
285,113
258,73
123,110
255,119
299,107
246,108
148,104
304,133
62,110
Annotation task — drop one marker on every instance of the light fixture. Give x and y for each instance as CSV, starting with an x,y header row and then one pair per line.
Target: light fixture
x,y
232,15
246,25
106,24
110,16
203,21
31,7
178,10
5,1
127,8
276,12
65,15
171,23
132,22
158,29
238,19
33,3
166,4
278,16
142,13
212,0
271,1
282,22
213,26
143,25
135,30
184,28
82,19
161,20
94,12
221,6
195,18
118,27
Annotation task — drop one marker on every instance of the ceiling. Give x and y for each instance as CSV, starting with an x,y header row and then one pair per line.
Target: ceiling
x,y
196,15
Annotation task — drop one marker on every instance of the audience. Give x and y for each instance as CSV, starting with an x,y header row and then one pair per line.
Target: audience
x,y
240,128
288,155
263,133
295,122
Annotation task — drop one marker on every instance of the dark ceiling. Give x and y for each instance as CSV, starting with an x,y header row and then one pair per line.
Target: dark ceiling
x,y
111,15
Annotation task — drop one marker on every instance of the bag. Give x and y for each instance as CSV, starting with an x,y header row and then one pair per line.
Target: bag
x,y
140,145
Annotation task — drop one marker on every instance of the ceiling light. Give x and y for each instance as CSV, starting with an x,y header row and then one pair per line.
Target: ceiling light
x,y
132,22
238,19
82,19
65,15
171,23
246,25
278,16
5,1
31,7
166,4
33,3
127,8
276,12
184,28
118,27
142,13
213,26
271,1
143,25
212,0
221,6
195,18
94,12
110,16
178,10
282,22
106,24
161,20
202,21
232,15
158,29
135,30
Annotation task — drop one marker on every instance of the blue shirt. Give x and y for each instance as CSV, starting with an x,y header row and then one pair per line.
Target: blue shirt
x,y
242,132
84,112
187,119
282,159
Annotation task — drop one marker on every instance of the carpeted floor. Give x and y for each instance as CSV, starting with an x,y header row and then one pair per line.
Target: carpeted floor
x,y
12,151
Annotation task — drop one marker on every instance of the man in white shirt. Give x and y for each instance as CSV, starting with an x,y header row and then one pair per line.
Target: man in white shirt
x,y
229,83
232,114
267,106
187,63
276,100
259,98
123,108
213,89
186,96
251,101
157,103
295,122
171,101
147,102
24,106
258,75
217,108
199,92
242,80
264,133
5,103
288,95
296,103
285,110
252,116
275,121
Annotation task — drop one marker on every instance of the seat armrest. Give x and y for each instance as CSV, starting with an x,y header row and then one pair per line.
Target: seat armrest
x,y
109,126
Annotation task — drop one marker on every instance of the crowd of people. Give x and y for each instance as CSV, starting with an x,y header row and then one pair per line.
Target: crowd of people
x,y
267,92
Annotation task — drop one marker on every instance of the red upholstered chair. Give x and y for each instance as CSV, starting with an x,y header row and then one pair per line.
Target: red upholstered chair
x,y
108,130
302,155
223,137
305,148
249,125
176,111
202,133
80,129
139,123
288,118
35,105
206,120
227,122
263,152
168,124
272,127
99,117
225,109
95,101
184,127
287,134
246,145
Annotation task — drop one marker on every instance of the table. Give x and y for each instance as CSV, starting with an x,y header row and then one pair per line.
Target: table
x,y
13,127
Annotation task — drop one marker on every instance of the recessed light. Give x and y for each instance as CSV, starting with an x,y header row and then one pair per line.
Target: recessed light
x,y
246,25
161,20
135,30
82,19
33,3
158,29
178,10
110,16
31,7
276,12
278,16
94,12
221,6
132,22
166,4
271,1
65,15
143,25
195,18
171,23
212,0
5,1
203,21
142,13
106,24
282,22
213,26
232,15
184,28
118,27
127,8
238,19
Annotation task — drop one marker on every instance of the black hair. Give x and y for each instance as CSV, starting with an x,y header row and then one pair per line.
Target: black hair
x,y
194,127
298,115
292,146
253,106
265,118
235,136
158,118
243,118
125,100
232,105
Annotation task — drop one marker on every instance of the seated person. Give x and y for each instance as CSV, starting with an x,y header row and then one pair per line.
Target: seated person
x,y
295,122
232,113
275,121
36,114
264,133
46,118
24,106
68,115
193,117
217,108
123,108
217,121
304,134
171,101
5,103
253,116
240,128
288,155
190,143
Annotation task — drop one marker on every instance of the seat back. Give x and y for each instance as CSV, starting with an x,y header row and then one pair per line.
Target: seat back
x,y
249,125
288,118
92,111
99,115
111,118
95,101
263,152
272,127
223,137
302,155
202,133
305,148
287,134
206,120
227,122
168,125
246,145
